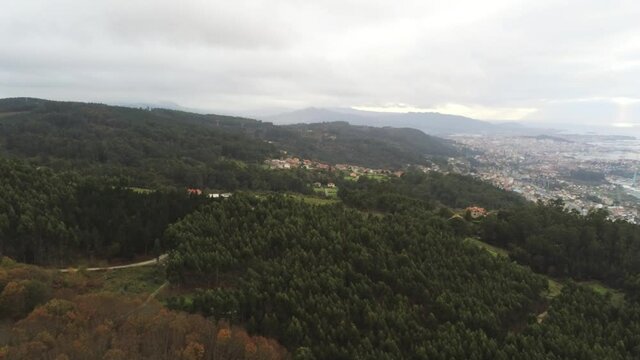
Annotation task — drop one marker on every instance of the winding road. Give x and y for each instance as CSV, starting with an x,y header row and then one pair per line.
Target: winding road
x,y
138,264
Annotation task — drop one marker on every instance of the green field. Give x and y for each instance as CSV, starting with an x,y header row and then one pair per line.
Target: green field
x,y
493,250
328,192
555,288
617,296
370,176
131,281
314,200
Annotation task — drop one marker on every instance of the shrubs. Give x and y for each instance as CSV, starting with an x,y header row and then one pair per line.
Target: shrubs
x,y
108,326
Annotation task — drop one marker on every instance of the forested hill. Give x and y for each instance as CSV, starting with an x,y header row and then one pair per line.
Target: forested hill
x,y
156,146
187,149
339,142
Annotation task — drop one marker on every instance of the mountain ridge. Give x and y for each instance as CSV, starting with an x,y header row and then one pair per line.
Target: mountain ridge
x,y
432,123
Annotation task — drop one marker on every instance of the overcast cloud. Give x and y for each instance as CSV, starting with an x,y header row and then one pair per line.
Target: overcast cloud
x,y
542,60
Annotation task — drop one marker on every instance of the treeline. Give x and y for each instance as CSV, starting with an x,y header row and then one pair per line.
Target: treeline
x,y
562,243
376,147
54,218
426,190
334,283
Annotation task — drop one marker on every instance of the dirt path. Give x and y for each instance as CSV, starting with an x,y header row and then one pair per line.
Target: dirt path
x,y
155,293
138,264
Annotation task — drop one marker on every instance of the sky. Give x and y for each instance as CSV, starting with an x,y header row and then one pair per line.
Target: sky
x,y
533,60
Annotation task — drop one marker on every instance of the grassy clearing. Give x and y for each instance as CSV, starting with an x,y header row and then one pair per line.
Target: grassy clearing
x,y
370,176
328,192
377,177
555,288
139,280
140,190
131,281
617,296
493,250
313,200
7,114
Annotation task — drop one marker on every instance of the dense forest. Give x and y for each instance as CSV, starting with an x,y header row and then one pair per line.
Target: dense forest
x,y
54,218
416,188
565,244
334,283
341,143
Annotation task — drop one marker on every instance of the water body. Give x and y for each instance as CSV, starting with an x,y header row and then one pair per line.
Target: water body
x,y
611,150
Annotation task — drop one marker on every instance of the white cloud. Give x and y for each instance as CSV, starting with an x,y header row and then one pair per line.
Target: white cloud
x,y
495,59
475,111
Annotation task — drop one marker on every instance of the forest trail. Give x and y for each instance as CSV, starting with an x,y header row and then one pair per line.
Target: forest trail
x,y
138,264
155,293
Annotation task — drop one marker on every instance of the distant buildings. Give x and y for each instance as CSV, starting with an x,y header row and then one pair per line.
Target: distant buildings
x,y
476,212
539,168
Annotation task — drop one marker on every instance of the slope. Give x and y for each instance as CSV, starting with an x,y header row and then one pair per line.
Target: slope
x,y
428,122
339,142
169,147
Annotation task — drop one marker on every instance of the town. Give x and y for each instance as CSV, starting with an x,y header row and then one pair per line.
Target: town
x,y
586,172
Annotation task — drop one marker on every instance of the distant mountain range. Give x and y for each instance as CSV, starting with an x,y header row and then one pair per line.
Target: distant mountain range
x,y
430,123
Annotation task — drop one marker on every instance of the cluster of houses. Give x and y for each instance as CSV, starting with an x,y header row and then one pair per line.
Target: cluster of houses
x,y
199,192
294,162
329,185
356,171
353,170
476,212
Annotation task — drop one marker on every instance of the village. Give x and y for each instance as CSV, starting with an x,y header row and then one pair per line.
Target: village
x,y
353,173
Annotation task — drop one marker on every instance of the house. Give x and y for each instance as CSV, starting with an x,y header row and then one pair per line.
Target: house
x,y
213,196
317,184
331,185
194,191
476,212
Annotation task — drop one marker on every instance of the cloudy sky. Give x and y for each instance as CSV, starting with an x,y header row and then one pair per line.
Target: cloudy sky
x,y
535,60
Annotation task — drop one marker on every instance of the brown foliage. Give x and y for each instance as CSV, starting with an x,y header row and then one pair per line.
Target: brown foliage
x,y
108,326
